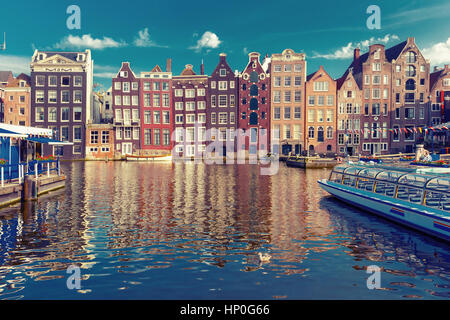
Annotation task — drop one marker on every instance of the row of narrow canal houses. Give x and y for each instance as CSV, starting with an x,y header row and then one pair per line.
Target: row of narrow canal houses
x,y
378,106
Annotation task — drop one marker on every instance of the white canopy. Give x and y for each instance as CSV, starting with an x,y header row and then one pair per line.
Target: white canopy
x,y
22,130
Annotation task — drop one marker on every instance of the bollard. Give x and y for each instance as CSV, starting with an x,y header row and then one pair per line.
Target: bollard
x,y
29,189
48,169
3,177
36,170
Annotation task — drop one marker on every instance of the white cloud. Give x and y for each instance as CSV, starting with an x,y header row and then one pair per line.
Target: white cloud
x,y
16,64
86,41
143,40
245,50
346,51
208,40
438,53
104,71
108,75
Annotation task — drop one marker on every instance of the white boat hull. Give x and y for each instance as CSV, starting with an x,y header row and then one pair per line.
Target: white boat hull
x,y
415,216
152,159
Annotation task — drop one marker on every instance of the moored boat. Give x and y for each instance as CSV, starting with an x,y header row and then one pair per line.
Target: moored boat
x,y
149,158
311,162
418,200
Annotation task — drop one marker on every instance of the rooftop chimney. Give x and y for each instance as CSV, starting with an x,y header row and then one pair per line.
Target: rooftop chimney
x,y
222,56
356,54
202,68
169,65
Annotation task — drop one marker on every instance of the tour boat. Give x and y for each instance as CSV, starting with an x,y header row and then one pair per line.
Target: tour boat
x,y
418,198
149,158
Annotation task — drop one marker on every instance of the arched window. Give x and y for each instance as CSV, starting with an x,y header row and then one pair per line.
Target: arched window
x,y
410,84
329,147
253,104
253,118
410,57
253,90
320,134
254,76
263,86
244,87
329,133
410,71
311,132
244,101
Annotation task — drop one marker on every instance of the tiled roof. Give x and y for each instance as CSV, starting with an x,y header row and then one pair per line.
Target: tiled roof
x,y
434,77
394,52
156,69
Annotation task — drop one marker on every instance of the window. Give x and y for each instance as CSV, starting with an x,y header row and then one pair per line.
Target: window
x,y
77,114
179,119
222,85
287,81
156,86
94,137
165,86
166,137
385,93
52,114
156,100
223,72
117,85
201,91
376,66
410,71
310,115
213,118
287,113
386,79
223,118
156,117
201,105
52,81
65,81
127,133
330,100
277,67
232,101
376,79
135,115
64,133
232,118
410,84
297,67
375,109
254,90
147,117
232,84
277,113
65,96
409,97
213,101
297,112
165,100
311,132
277,81
126,100
287,96
52,96
277,96
77,96
166,117
76,133
376,93
77,81
409,113
319,115
320,100
178,92
201,118
147,100
287,131
40,81
321,86
222,101
410,57
329,115
190,106
190,118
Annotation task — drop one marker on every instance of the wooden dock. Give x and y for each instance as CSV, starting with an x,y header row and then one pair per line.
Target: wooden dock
x,y
311,162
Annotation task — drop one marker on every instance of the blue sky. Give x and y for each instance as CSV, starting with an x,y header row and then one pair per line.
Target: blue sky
x,y
146,33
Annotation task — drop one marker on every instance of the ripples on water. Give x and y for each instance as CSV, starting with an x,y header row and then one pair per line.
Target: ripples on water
x,y
187,231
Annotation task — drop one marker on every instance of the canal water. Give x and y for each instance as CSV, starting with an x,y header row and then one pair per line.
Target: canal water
x,y
196,231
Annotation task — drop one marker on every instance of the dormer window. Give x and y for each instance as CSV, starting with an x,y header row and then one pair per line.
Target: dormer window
x,y
124,74
376,54
223,72
22,84
80,57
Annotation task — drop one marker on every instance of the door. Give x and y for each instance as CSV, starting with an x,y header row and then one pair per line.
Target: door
x,y
127,148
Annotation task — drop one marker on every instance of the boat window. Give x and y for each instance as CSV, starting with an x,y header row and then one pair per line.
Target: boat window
x,y
365,184
414,180
410,194
390,176
352,170
340,168
441,184
437,200
349,180
369,172
385,188
336,177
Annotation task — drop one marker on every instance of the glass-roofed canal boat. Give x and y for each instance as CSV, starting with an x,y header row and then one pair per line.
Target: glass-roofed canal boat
x,y
418,198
